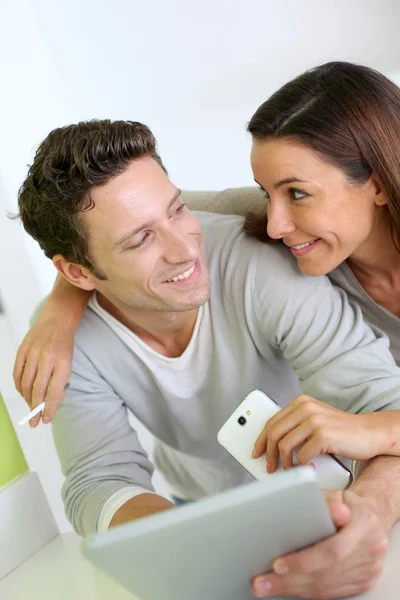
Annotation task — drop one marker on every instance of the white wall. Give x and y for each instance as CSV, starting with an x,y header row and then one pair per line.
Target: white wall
x,y
195,72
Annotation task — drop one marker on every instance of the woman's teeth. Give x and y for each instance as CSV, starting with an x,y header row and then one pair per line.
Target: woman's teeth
x,y
184,275
300,246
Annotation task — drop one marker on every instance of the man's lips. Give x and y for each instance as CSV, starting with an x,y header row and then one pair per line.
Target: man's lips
x,y
184,278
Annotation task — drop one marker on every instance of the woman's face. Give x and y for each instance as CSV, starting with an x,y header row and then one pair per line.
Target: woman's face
x,y
322,216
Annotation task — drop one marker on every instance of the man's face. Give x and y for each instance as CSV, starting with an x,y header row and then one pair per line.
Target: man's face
x,y
146,242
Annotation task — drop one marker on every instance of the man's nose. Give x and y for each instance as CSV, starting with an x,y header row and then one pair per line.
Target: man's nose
x,y
279,222
180,247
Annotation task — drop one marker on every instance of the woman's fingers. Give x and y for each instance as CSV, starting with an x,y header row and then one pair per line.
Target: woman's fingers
x,y
40,386
321,428
56,390
28,377
316,445
278,444
34,422
42,379
260,444
282,439
302,406
288,444
19,366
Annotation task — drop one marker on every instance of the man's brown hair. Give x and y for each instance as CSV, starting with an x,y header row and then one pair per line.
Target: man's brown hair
x,y
67,165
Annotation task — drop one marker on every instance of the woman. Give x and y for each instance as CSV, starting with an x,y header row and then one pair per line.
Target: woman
x,y
324,151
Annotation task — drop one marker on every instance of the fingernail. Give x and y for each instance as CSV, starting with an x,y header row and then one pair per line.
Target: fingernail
x,y
46,420
268,467
264,587
254,453
280,568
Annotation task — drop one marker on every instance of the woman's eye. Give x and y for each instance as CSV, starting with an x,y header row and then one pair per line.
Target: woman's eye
x,y
297,194
179,209
266,195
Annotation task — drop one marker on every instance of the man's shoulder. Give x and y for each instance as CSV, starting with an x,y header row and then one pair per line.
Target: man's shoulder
x,y
276,258
93,334
225,234
212,223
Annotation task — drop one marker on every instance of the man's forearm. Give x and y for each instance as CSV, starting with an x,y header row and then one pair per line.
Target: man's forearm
x,y
379,483
140,506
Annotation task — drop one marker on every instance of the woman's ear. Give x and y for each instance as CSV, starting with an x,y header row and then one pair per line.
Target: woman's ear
x,y
379,195
79,276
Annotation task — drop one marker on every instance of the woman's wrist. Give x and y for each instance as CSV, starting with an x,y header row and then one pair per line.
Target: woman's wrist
x,y
66,305
384,428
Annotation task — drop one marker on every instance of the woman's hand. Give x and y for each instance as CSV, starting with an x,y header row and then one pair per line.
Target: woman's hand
x,y
43,364
322,429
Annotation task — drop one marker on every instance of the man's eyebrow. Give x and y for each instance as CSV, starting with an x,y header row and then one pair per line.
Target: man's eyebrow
x,y
147,225
282,182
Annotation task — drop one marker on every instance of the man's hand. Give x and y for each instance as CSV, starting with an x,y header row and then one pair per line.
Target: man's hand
x,y
347,563
322,429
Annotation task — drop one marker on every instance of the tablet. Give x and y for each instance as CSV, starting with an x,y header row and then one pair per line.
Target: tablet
x,y
212,548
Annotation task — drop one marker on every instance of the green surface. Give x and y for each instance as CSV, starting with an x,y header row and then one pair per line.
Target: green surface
x,y
12,459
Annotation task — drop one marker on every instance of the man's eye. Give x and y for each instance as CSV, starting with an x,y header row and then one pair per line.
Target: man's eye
x,y
139,243
297,194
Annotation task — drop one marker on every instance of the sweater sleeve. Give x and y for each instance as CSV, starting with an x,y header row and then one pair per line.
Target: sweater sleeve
x,y
337,358
99,451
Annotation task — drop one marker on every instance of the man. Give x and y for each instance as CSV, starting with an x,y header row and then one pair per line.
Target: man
x,y
154,340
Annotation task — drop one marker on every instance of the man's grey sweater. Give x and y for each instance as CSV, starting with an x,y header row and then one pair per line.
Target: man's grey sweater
x,y
265,326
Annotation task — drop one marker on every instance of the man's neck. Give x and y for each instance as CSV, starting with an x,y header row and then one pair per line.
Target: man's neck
x,y
168,333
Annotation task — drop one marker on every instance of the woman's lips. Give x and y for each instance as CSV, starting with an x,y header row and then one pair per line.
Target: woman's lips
x,y
305,250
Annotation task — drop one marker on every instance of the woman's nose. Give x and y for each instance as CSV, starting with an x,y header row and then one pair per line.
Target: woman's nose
x,y
279,223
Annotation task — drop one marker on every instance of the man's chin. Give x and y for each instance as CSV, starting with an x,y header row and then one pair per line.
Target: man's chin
x,y
191,304
198,303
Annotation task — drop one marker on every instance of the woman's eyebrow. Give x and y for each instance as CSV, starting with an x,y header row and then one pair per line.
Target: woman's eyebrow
x,y
282,182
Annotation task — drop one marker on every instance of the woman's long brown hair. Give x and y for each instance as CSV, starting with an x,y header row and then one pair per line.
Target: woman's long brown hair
x,y
350,115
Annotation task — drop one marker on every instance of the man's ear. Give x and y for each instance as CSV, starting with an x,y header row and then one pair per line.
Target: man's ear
x,y
79,276
379,195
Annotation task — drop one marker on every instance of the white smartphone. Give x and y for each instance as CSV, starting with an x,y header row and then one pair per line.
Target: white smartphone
x,y
243,427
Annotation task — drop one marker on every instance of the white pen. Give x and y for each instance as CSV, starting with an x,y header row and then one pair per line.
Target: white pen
x,y
32,414
36,410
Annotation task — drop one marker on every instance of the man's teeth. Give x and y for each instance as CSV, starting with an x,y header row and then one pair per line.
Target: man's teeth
x,y
184,275
300,246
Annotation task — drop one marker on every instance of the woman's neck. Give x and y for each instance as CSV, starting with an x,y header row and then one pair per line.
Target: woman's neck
x,y
377,258
376,266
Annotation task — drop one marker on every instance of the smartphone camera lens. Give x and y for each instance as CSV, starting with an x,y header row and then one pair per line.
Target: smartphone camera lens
x,y
242,421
